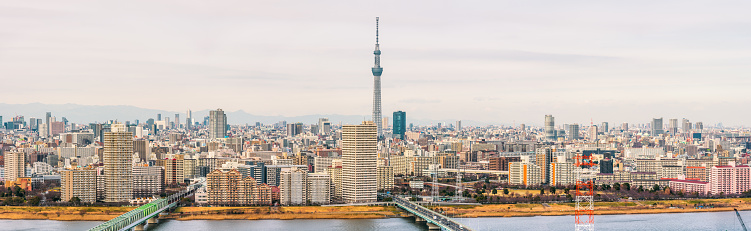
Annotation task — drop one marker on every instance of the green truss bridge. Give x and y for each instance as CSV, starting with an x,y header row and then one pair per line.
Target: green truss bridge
x,y
434,220
148,213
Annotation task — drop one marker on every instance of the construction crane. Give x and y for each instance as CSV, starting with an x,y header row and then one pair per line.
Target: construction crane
x,y
740,219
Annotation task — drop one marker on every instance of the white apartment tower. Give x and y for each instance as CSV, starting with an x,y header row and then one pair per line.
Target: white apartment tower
x,y
359,162
118,164
15,166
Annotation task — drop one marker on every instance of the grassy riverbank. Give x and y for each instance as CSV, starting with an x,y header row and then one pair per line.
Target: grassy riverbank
x,y
62,213
601,208
372,212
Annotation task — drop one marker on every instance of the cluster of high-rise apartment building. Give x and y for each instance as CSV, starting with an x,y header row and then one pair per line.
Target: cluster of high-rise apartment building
x,y
321,163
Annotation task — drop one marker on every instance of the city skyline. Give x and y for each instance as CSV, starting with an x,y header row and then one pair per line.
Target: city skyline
x,y
496,63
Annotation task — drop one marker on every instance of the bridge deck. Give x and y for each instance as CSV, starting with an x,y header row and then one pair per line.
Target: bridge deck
x,y
431,216
141,214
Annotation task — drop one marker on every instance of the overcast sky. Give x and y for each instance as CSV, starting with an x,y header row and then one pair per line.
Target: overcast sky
x,y
492,61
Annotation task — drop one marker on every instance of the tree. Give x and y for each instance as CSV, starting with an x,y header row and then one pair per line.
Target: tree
x,y
75,200
35,200
627,186
640,189
656,188
617,187
495,191
552,190
542,191
487,180
566,190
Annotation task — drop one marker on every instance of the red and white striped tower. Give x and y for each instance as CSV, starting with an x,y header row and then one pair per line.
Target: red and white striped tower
x,y
584,214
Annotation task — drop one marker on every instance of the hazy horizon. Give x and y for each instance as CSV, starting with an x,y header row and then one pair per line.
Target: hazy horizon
x,y
498,62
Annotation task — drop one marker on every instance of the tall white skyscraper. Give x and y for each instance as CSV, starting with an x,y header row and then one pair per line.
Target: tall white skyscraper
x,y
359,162
217,124
189,119
118,164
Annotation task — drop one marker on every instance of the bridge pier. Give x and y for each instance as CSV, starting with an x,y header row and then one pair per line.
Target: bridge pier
x,y
419,219
432,226
153,220
139,227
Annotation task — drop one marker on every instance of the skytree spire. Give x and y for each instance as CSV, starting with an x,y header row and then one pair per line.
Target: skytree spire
x,y
377,70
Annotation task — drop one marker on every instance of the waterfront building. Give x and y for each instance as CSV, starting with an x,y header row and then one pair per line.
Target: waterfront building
x,y
229,188
319,188
359,162
118,164
293,188
730,179
79,183
689,186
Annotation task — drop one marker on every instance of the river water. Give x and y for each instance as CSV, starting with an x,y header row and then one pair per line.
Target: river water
x,y
642,222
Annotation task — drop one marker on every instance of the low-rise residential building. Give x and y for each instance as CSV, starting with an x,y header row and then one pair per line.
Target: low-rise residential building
x,y
690,186
730,179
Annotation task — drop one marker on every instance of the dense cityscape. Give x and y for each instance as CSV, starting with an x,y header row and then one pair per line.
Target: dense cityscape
x,y
50,161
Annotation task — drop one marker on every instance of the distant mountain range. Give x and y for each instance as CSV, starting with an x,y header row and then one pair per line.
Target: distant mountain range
x,y
77,113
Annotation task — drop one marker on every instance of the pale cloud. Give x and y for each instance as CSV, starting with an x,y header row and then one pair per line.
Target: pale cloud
x,y
509,60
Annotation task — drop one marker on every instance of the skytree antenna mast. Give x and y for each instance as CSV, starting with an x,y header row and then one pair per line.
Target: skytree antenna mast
x,y
377,70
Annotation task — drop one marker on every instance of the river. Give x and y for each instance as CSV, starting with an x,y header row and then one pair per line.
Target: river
x,y
641,222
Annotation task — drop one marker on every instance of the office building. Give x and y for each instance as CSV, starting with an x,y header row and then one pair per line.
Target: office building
x,y
400,124
324,126
359,162
549,128
189,120
673,126
573,132
592,133
657,127
118,164
217,124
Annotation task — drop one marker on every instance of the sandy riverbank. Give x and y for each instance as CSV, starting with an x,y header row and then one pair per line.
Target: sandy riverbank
x,y
372,212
